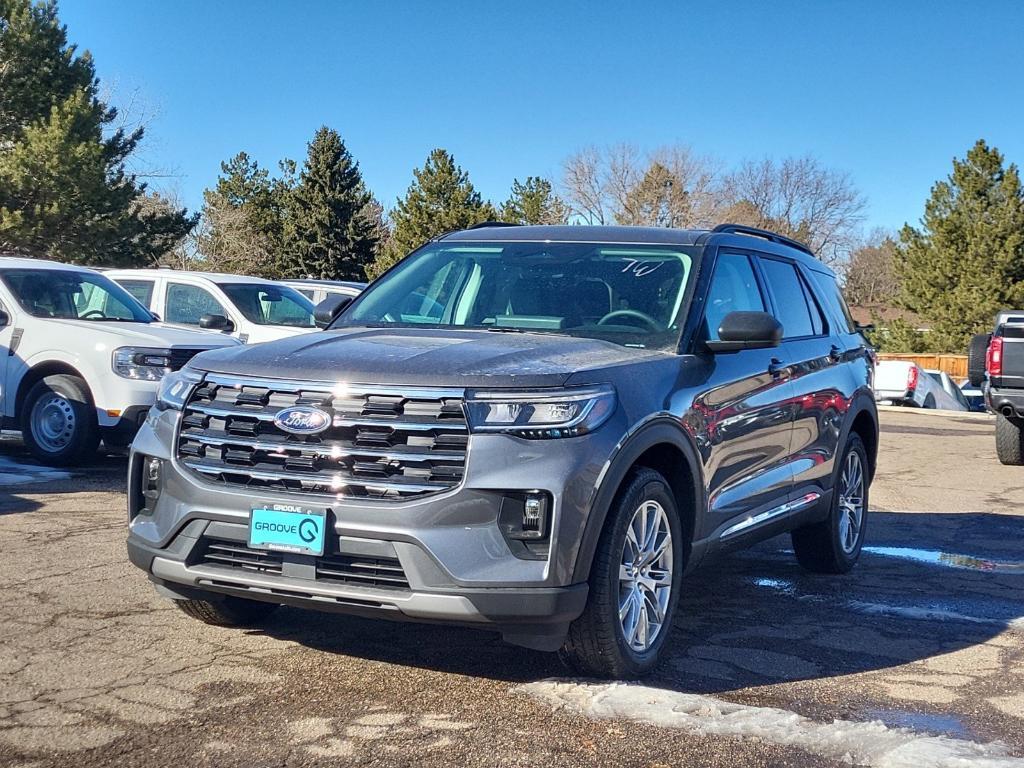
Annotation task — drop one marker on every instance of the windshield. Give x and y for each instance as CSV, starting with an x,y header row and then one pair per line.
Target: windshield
x,y
73,295
630,295
270,304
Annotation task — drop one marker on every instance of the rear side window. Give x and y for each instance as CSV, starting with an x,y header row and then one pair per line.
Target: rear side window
x,y
791,307
733,289
835,304
142,290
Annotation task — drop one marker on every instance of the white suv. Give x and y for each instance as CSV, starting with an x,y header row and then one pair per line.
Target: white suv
x,y
80,359
249,308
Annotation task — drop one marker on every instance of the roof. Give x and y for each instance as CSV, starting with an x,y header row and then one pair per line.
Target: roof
x,y
584,233
21,262
217,277
312,281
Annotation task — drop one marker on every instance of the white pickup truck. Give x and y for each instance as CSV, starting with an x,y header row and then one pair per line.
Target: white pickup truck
x,y
80,359
902,382
251,309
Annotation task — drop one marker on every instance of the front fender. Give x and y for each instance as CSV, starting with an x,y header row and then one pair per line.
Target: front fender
x,y
663,429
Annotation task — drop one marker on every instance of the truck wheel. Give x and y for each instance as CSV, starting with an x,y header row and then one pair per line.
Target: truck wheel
x,y
228,612
58,421
1009,441
976,352
833,545
634,584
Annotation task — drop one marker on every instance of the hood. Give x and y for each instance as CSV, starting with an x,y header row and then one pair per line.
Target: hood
x,y
117,334
423,357
257,334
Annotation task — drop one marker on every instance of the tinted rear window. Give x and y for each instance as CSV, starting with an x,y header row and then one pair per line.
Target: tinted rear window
x,y
833,301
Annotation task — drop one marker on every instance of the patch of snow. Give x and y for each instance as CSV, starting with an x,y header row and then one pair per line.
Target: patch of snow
x,y
859,743
19,473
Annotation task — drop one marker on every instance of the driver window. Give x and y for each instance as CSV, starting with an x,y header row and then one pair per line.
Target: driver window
x,y
186,304
733,289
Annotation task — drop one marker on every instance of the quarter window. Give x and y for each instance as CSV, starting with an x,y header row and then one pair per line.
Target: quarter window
x,y
790,299
733,289
834,301
186,304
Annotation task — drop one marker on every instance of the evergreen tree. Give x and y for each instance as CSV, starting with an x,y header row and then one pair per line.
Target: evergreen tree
x,y
244,219
64,188
659,199
534,202
967,260
332,233
440,199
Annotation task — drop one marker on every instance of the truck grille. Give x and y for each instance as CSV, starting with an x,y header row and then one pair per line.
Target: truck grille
x,y
353,570
181,355
383,443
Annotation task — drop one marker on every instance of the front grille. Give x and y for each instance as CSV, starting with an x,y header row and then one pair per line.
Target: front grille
x,y
181,355
352,570
383,443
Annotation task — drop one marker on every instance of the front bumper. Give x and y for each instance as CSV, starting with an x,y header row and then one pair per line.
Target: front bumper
x,y
457,565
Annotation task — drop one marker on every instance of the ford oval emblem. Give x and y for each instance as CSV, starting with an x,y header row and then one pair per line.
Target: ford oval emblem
x,y
302,420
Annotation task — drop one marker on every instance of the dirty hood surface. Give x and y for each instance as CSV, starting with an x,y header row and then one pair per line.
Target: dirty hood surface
x,y
422,357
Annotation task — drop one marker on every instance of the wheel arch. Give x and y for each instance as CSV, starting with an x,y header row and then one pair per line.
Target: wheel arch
x,y
40,371
862,418
663,446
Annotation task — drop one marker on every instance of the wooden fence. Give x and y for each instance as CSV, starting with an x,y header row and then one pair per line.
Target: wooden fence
x,y
954,365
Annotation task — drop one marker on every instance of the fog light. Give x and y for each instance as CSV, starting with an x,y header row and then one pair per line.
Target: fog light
x,y
151,469
533,514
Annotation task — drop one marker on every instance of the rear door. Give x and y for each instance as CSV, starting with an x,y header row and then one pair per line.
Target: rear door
x,y
815,356
746,414
142,289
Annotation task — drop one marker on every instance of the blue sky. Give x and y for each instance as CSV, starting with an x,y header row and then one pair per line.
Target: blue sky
x,y
888,91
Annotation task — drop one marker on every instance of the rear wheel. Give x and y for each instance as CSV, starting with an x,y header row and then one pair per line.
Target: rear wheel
x,y
634,584
833,545
1009,441
976,351
228,611
58,421
929,401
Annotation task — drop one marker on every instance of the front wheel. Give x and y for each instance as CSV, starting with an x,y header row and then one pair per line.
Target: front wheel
x,y
58,421
227,611
833,545
634,584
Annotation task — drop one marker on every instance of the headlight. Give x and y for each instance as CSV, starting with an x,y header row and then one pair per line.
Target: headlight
x,y
538,415
176,387
141,363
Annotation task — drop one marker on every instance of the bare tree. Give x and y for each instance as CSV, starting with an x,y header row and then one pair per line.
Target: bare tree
x,y
670,186
227,240
870,274
800,198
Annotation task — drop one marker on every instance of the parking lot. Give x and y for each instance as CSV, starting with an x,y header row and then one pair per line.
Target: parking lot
x,y
916,658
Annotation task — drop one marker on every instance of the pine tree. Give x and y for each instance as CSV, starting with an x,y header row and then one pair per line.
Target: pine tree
x,y
967,260
659,199
332,232
534,202
440,199
243,219
64,188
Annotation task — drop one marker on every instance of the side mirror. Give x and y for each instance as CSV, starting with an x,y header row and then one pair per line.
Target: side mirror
x,y
747,330
327,311
5,319
216,323
155,316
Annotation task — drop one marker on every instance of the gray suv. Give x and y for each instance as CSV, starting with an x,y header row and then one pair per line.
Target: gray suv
x,y
537,430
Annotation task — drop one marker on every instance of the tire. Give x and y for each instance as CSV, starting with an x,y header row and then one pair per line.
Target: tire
x,y
1009,441
830,546
596,645
58,420
929,402
977,349
228,611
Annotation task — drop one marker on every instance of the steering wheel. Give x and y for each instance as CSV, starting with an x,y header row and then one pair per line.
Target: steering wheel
x,y
632,314
88,313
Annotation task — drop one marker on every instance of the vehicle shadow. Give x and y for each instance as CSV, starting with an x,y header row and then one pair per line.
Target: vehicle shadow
x,y
756,618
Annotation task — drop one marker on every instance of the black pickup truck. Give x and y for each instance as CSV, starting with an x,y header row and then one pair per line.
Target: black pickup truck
x,y
995,363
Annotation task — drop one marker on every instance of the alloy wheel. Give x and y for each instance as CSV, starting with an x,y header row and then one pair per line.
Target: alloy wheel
x,y
851,502
645,576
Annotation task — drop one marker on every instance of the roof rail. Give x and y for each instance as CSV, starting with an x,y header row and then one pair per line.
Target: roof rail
x,y
483,224
764,234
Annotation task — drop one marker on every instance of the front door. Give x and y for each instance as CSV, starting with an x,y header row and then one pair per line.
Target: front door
x,y
747,417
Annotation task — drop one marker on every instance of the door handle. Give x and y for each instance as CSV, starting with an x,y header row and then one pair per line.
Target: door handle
x,y
835,354
776,367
